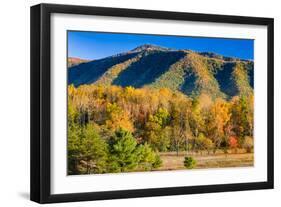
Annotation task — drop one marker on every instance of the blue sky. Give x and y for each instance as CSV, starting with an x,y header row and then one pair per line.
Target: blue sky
x,y
96,45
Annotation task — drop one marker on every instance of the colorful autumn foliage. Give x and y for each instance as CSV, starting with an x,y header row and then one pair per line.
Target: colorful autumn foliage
x,y
116,129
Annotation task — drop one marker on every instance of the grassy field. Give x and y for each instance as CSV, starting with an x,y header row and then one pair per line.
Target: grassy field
x,y
219,160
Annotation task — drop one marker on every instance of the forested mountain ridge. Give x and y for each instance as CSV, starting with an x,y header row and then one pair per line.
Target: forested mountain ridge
x,y
152,66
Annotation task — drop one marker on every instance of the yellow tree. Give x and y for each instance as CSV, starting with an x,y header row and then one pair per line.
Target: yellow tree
x,y
116,118
218,118
242,119
181,130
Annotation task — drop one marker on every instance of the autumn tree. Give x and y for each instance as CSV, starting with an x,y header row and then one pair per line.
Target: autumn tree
x,y
180,125
217,121
157,132
204,143
242,111
116,118
196,121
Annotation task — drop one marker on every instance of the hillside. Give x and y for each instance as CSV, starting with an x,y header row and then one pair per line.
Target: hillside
x,y
72,61
152,66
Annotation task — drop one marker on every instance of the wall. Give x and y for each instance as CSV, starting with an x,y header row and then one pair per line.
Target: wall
x,y
14,109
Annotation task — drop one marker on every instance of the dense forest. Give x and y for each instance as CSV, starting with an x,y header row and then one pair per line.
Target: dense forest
x,y
121,117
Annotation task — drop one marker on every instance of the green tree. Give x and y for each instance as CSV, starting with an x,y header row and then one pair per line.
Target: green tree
x,y
73,150
148,158
123,152
93,150
74,133
126,155
242,112
87,152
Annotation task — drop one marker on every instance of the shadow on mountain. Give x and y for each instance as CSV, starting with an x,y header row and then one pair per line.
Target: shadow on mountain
x,y
87,73
189,84
250,68
225,80
230,84
148,68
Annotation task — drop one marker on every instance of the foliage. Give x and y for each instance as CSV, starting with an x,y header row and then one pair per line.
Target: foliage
x,y
203,143
189,162
217,120
86,148
242,111
132,125
124,152
148,158
116,118
157,133
233,142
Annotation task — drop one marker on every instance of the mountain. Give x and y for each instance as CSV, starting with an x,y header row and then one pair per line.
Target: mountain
x,y
190,72
72,61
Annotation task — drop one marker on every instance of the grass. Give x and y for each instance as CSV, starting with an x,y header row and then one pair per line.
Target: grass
x,y
219,160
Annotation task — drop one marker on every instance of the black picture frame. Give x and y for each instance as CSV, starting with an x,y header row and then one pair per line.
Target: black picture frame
x,y
41,96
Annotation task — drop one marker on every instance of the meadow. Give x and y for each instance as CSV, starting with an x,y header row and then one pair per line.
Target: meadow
x,y
204,160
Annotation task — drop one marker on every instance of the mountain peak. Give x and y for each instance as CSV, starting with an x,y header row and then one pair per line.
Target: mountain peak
x,y
148,47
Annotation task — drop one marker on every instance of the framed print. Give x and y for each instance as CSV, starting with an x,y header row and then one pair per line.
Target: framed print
x,y
133,103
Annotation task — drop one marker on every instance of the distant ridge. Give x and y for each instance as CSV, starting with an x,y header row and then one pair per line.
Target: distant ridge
x,y
149,47
190,72
72,61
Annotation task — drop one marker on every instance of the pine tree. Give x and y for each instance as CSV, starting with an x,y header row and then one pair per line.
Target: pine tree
x,y
123,151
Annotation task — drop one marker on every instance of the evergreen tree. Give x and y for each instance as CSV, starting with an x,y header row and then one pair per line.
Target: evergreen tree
x,y
123,152
126,155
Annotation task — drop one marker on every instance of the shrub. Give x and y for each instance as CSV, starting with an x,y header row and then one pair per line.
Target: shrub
x,y
189,162
158,162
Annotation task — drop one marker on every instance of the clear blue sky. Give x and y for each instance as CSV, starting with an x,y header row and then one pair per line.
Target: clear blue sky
x,y
96,45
